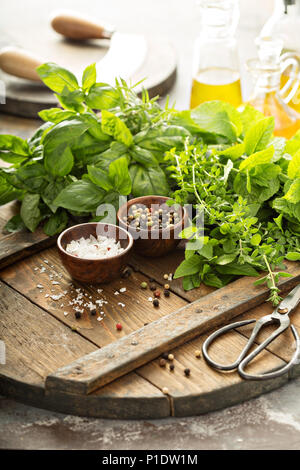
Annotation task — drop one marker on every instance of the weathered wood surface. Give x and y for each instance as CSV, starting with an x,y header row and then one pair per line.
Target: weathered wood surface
x,y
37,343
117,359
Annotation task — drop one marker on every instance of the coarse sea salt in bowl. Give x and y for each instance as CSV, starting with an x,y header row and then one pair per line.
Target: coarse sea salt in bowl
x,y
94,252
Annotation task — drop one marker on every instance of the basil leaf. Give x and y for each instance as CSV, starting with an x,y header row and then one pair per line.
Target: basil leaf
x,y
15,224
59,159
32,176
89,77
112,125
100,177
51,191
143,156
237,269
56,223
119,176
82,196
147,181
56,115
30,211
13,149
71,100
57,78
7,191
102,96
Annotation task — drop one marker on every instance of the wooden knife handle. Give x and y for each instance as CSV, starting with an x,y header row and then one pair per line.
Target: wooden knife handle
x,y
19,62
72,25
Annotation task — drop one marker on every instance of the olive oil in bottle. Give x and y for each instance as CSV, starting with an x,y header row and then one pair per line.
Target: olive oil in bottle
x,y
216,69
267,96
216,84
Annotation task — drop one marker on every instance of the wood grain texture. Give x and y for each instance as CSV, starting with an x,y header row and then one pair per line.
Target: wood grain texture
x,y
138,348
37,343
135,309
208,389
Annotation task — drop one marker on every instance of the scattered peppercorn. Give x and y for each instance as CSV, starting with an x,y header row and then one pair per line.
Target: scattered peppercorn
x,y
172,367
165,390
145,324
166,293
166,286
94,312
126,273
162,363
156,303
151,279
165,356
144,285
77,314
187,372
198,353
119,326
152,287
171,357
166,276
157,293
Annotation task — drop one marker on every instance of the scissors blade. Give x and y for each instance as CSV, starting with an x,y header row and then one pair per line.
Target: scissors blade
x,y
290,301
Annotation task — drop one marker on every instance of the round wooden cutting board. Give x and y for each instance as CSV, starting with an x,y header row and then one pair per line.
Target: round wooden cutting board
x,y
26,98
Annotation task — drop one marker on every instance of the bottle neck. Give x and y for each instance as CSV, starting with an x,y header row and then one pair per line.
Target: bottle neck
x,y
267,81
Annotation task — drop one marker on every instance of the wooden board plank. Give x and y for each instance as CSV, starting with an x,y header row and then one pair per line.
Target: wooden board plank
x,y
135,309
207,389
37,343
138,348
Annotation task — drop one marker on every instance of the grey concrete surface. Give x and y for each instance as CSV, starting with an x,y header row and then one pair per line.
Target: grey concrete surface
x,y
269,422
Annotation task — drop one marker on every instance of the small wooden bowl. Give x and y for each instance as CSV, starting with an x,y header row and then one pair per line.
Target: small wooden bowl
x,y
159,245
94,270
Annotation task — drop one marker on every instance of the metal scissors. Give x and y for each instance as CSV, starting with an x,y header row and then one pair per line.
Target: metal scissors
x,y
279,316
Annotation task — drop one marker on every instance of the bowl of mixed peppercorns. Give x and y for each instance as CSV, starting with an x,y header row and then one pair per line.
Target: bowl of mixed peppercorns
x,y
154,224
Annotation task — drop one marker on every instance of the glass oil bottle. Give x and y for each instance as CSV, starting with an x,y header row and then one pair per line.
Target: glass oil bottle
x,y
285,24
216,73
267,95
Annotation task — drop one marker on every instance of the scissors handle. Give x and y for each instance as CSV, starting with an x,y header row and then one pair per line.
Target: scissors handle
x,y
243,360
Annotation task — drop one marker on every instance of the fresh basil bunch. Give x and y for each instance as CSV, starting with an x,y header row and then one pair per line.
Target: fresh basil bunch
x,y
81,157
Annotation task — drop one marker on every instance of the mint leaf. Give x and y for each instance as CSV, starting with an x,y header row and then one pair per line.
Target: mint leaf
x,y
258,158
293,194
258,135
294,166
188,266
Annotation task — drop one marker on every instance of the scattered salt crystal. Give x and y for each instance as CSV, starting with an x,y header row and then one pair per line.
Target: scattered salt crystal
x,y
121,304
99,318
123,289
36,269
56,297
99,291
46,295
94,248
150,299
117,292
66,313
46,261
55,283
39,286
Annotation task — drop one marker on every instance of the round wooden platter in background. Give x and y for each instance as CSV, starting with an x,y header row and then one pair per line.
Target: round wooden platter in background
x,y
40,339
26,98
